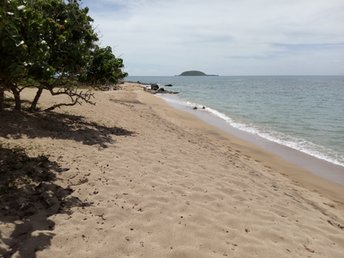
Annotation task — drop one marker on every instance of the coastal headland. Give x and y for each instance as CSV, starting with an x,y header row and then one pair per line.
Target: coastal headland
x,y
132,176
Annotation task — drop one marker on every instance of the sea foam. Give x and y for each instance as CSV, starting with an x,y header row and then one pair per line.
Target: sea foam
x,y
295,143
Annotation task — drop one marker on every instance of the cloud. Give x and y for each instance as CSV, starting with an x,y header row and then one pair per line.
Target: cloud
x,y
228,37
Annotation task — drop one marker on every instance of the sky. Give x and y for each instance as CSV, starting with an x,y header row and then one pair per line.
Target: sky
x,y
225,37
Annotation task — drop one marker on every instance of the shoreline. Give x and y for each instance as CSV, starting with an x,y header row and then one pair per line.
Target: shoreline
x,y
309,144
300,174
148,180
315,165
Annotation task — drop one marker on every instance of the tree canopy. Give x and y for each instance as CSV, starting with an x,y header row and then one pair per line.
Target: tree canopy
x,y
51,45
104,67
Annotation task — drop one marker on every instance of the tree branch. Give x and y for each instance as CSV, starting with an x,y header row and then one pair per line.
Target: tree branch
x,y
75,97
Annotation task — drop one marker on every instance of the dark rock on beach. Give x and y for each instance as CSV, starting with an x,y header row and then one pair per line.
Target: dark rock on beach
x,y
154,86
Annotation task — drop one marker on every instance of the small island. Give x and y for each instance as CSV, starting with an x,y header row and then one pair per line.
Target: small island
x,y
194,73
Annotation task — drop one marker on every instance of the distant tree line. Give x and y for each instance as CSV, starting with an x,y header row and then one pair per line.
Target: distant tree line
x,y
50,45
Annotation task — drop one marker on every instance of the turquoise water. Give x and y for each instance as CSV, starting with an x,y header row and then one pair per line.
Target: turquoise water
x,y
305,113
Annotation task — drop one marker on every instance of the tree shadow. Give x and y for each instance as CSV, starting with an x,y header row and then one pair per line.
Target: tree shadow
x,y
29,195
9,103
57,126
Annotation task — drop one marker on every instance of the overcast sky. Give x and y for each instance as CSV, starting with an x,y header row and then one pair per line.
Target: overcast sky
x,y
226,37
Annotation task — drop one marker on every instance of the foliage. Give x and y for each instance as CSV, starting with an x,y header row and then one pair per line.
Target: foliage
x,y
50,44
104,67
13,51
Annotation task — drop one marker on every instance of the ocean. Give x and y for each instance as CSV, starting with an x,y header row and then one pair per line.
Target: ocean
x,y
305,113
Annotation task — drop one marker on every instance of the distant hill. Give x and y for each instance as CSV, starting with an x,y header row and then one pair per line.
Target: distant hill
x,y
194,73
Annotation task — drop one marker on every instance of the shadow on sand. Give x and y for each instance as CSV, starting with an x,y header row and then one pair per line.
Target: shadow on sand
x,y
29,192
28,197
57,126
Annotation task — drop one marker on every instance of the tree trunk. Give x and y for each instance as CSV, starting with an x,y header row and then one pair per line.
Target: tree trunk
x,y
2,98
17,100
35,100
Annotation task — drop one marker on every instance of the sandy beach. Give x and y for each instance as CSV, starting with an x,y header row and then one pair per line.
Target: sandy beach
x,y
133,177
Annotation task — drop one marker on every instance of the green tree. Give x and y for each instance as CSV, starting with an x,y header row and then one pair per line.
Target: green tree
x,y
104,68
69,38
13,50
50,44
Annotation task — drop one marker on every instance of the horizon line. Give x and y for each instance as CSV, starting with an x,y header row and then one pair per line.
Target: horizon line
x,y
240,75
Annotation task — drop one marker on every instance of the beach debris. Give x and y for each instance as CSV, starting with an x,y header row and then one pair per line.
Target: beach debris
x,y
335,224
308,249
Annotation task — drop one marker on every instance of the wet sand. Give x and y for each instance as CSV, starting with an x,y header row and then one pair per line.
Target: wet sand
x,y
319,167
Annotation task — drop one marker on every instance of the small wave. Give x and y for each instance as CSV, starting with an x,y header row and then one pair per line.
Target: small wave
x,y
295,143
